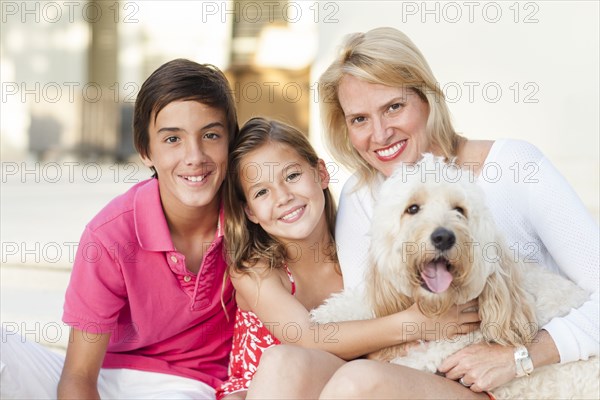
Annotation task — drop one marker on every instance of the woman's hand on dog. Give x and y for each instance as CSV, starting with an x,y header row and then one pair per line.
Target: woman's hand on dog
x,y
458,320
483,366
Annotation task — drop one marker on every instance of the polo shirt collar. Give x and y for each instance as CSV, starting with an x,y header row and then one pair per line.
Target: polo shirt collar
x,y
151,225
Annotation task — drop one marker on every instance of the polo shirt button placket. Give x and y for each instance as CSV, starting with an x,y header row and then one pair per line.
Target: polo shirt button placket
x,y
187,278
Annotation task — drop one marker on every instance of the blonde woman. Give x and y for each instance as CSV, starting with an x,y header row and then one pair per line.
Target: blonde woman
x,y
381,107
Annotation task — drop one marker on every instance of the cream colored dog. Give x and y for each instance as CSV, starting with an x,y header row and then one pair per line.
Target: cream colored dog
x,y
435,243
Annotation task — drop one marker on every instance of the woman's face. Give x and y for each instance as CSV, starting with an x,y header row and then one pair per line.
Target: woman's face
x,y
386,124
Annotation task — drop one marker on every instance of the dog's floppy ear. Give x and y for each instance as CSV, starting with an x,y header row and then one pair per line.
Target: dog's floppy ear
x,y
505,309
384,297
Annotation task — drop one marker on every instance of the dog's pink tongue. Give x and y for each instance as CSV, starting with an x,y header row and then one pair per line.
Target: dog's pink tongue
x,y
436,276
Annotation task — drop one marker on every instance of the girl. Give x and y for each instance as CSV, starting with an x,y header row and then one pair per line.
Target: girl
x,y
283,261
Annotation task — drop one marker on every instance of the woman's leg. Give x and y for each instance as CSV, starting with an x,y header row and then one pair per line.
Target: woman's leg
x,y
368,379
292,372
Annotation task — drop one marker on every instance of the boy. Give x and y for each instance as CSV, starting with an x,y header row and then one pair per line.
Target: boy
x,y
144,300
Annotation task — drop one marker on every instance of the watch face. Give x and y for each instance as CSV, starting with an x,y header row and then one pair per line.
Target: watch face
x,y
521,352
524,365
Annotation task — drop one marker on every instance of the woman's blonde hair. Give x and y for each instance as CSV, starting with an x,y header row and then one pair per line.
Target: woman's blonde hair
x,y
247,242
388,57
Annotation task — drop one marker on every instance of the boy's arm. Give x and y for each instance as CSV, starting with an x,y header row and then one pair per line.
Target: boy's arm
x,y
85,354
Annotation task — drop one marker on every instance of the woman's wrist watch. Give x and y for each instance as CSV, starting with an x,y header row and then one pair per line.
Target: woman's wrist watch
x,y
524,365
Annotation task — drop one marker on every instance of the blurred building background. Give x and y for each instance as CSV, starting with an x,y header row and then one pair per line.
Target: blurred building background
x,y
70,72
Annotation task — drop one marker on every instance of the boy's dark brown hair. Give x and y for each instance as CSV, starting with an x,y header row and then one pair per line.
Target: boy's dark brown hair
x,y
181,80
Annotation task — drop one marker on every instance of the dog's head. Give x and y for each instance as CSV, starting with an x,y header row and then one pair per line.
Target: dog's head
x,y
433,238
434,242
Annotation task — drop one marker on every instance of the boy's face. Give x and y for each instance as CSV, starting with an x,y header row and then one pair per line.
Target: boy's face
x,y
188,149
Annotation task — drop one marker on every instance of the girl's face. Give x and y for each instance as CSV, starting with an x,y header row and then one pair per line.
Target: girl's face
x,y
188,149
284,194
386,125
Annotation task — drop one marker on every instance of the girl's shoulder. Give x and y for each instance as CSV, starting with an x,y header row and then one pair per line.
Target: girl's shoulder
x,y
258,273
259,270
261,276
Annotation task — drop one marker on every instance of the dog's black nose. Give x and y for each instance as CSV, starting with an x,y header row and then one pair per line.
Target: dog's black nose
x,y
443,239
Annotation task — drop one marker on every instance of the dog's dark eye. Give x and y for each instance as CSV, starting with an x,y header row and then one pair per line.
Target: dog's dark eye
x,y
460,210
413,209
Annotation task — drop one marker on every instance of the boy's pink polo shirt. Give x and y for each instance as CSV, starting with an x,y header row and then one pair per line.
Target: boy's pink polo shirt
x,y
129,280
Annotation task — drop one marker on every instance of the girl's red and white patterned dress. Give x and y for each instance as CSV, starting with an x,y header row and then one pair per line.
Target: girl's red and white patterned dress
x,y
250,339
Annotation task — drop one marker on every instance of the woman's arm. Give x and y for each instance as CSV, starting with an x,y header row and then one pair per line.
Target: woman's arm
x,y
486,366
85,354
289,321
572,239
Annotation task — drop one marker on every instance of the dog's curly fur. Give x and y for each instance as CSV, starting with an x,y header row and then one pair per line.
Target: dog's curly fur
x,y
435,243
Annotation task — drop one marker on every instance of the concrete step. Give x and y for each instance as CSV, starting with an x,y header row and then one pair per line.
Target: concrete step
x,y
31,302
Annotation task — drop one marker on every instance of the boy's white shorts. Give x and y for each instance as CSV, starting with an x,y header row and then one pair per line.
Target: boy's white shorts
x,y
31,371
